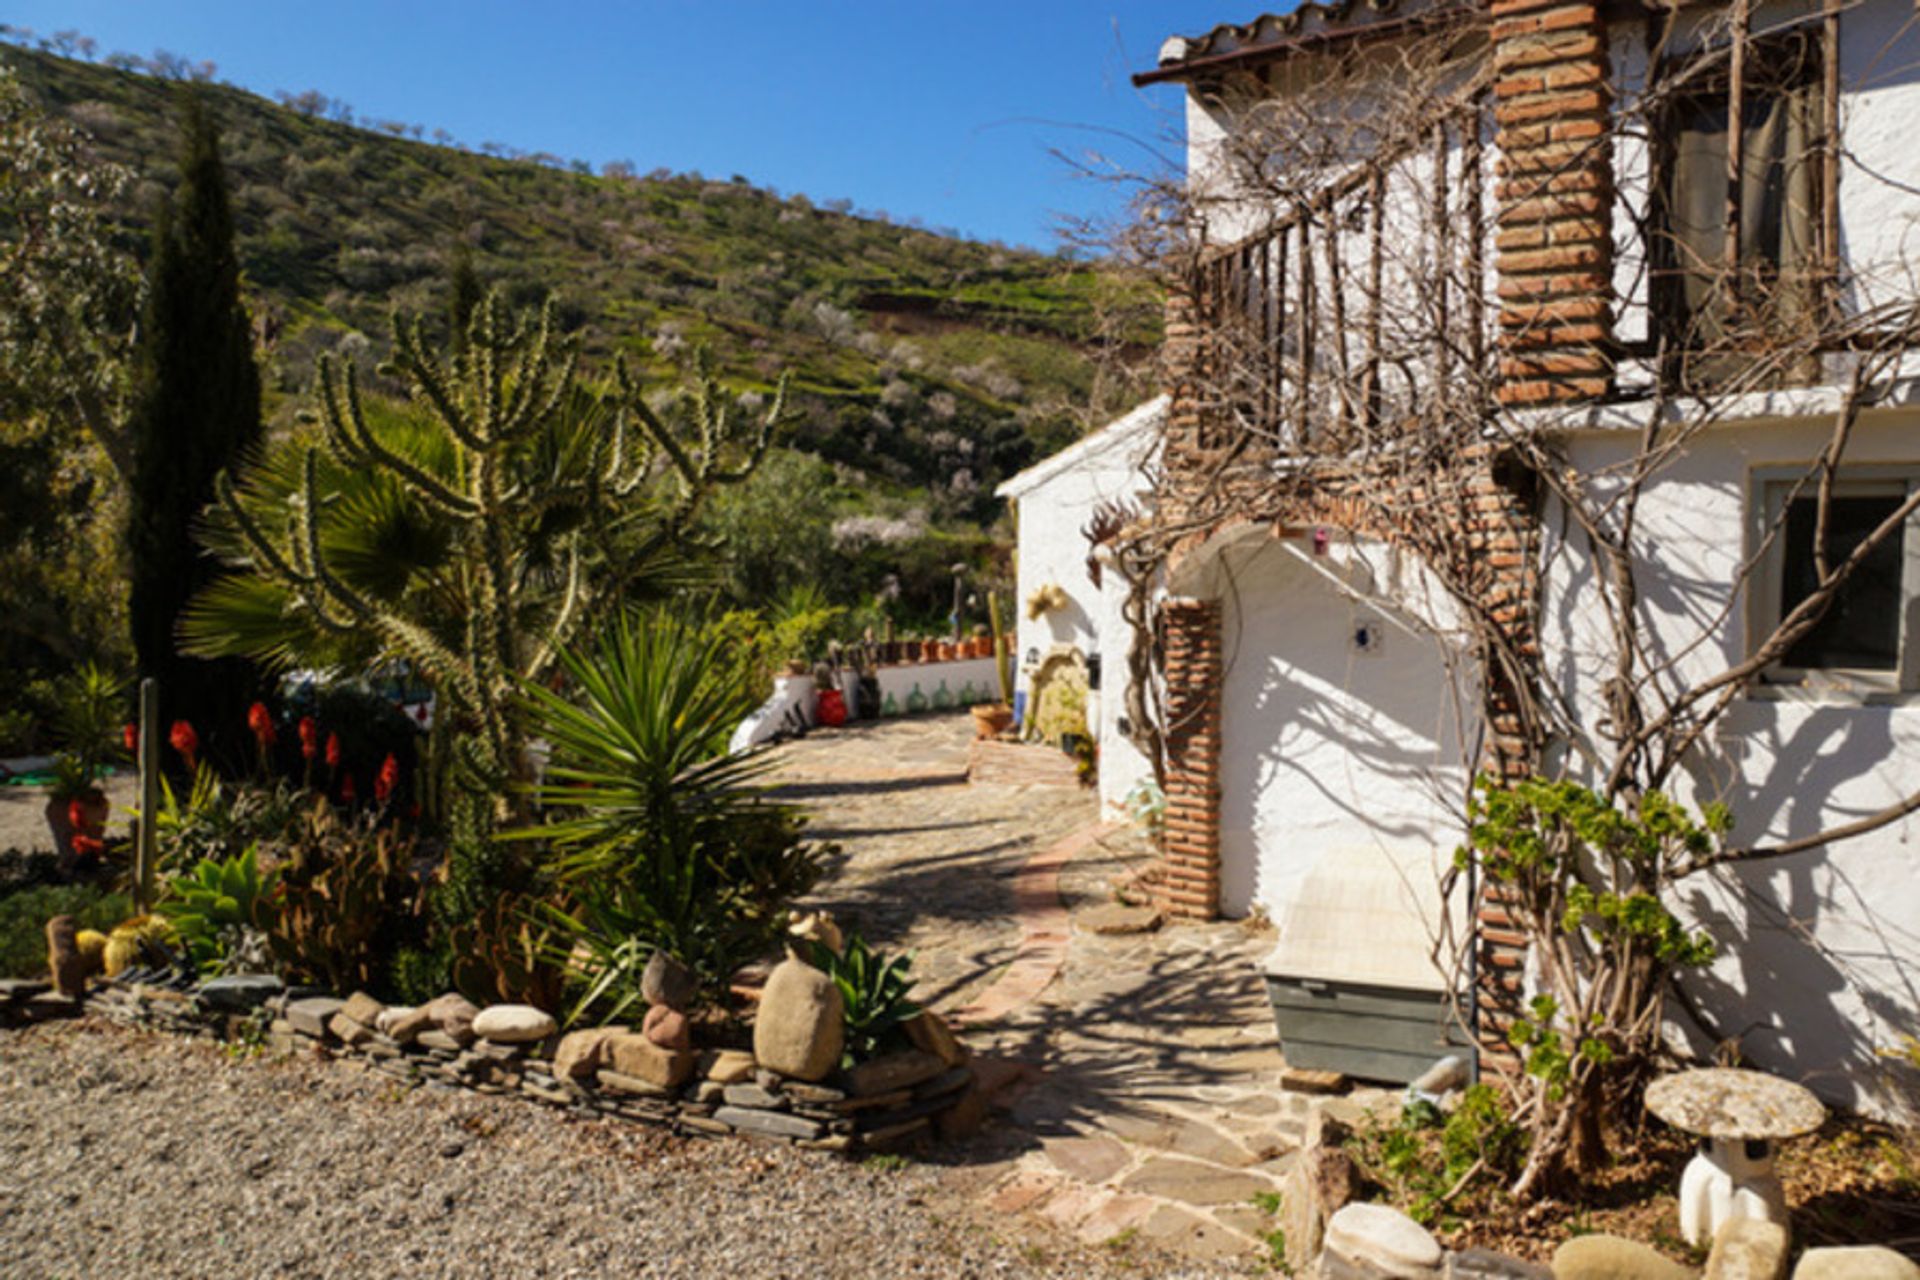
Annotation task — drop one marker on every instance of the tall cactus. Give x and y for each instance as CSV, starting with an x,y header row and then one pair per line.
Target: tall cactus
x,y
554,498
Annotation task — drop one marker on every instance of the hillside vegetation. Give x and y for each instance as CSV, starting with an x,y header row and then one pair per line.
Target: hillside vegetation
x,y
926,368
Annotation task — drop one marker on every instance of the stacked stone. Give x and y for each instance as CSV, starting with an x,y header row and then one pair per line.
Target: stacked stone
x,y
1555,193
1192,830
24,1001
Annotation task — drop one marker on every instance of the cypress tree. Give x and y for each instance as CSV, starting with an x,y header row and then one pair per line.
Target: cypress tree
x,y
196,411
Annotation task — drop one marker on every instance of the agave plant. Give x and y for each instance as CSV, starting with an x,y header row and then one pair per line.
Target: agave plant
x,y
876,992
220,906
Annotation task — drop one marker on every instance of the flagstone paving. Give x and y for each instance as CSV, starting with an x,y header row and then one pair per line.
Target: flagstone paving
x,y
1138,1073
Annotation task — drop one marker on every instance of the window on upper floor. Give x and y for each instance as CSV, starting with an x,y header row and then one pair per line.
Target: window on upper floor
x,y
1721,306
1869,637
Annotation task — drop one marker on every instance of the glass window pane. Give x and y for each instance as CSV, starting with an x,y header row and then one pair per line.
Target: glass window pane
x,y
1861,629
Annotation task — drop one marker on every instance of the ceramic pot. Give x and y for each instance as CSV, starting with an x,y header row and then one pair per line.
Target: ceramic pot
x,y
990,719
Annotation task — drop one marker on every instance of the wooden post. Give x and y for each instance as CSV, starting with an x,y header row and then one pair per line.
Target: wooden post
x,y
147,833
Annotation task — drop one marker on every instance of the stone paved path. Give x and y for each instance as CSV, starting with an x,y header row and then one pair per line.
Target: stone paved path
x,y
1144,1099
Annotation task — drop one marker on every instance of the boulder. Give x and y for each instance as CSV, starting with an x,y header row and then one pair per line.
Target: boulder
x,y
929,1033
581,1053
363,1009
1379,1240
1487,1264
639,1057
667,1027
800,1028
1857,1262
730,1066
402,1023
453,1014
964,1118
665,981
434,1038
239,992
310,1016
893,1071
1604,1257
64,959
351,1032
513,1024
1748,1249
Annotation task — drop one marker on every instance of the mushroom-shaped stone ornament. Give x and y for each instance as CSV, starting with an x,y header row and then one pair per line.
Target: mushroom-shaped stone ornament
x,y
1739,1116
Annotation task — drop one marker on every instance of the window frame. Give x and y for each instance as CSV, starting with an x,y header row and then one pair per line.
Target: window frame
x,y
1767,491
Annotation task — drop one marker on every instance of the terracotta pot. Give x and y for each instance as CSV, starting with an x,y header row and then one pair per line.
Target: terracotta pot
x,y
990,719
945,648
95,807
928,651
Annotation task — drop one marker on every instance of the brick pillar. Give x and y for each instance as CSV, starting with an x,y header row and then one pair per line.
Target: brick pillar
x,y
1553,94
1192,836
1182,377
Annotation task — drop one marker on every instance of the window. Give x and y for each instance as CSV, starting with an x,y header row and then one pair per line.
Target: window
x,y
1869,637
1717,309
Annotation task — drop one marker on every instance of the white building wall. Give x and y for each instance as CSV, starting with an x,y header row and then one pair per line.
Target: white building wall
x,y
1820,964
1054,501
1332,745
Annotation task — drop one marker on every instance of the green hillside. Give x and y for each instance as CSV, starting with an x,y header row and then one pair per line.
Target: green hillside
x,y
928,367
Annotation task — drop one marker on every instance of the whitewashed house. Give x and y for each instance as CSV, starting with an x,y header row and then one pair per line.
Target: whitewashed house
x,y
1574,246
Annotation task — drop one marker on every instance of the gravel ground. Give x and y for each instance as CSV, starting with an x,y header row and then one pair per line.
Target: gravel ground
x,y
133,1153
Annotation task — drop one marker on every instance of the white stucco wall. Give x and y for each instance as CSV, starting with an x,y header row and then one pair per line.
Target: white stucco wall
x,y
1820,963
1330,747
1054,500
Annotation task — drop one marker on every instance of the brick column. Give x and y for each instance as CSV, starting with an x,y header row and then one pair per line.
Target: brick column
x,y
1192,836
1555,195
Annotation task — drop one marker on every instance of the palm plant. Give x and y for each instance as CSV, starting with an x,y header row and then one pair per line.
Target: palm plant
x,y
658,839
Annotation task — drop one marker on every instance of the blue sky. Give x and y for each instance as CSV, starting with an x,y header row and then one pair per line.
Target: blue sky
x,y
942,111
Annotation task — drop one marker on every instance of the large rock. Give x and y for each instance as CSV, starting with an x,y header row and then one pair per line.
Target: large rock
x,y
1604,1257
928,1032
668,1028
239,992
351,1032
453,1014
665,981
893,1071
1486,1264
363,1009
403,1022
641,1058
1858,1262
730,1066
311,1016
1379,1240
964,1118
581,1053
513,1024
801,1026
65,961
1748,1249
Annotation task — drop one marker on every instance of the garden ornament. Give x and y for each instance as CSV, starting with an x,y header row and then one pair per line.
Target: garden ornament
x,y
1738,1115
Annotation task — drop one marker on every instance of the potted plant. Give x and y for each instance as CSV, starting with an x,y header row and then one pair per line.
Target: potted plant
x,y
87,718
991,719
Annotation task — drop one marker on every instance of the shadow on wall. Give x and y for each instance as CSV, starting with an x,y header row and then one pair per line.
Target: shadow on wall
x,y
1331,738
1811,942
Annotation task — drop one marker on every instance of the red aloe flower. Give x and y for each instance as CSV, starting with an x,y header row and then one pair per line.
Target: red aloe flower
x,y
184,740
386,780
131,736
346,789
260,723
309,738
76,815
86,846
333,751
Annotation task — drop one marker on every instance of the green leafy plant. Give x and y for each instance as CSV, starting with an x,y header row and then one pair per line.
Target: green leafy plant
x,y
1427,1159
875,991
221,909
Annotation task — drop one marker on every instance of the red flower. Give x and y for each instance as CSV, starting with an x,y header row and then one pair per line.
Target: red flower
x,y
184,740
86,846
260,723
309,738
386,780
346,789
76,815
131,736
333,751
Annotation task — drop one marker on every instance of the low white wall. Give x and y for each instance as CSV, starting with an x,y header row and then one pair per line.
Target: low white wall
x,y
1820,952
901,681
1328,746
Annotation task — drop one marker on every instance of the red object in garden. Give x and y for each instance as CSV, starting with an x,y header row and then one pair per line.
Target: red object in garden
x,y
309,738
346,789
76,815
131,736
333,751
86,846
386,780
260,724
184,740
831,708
